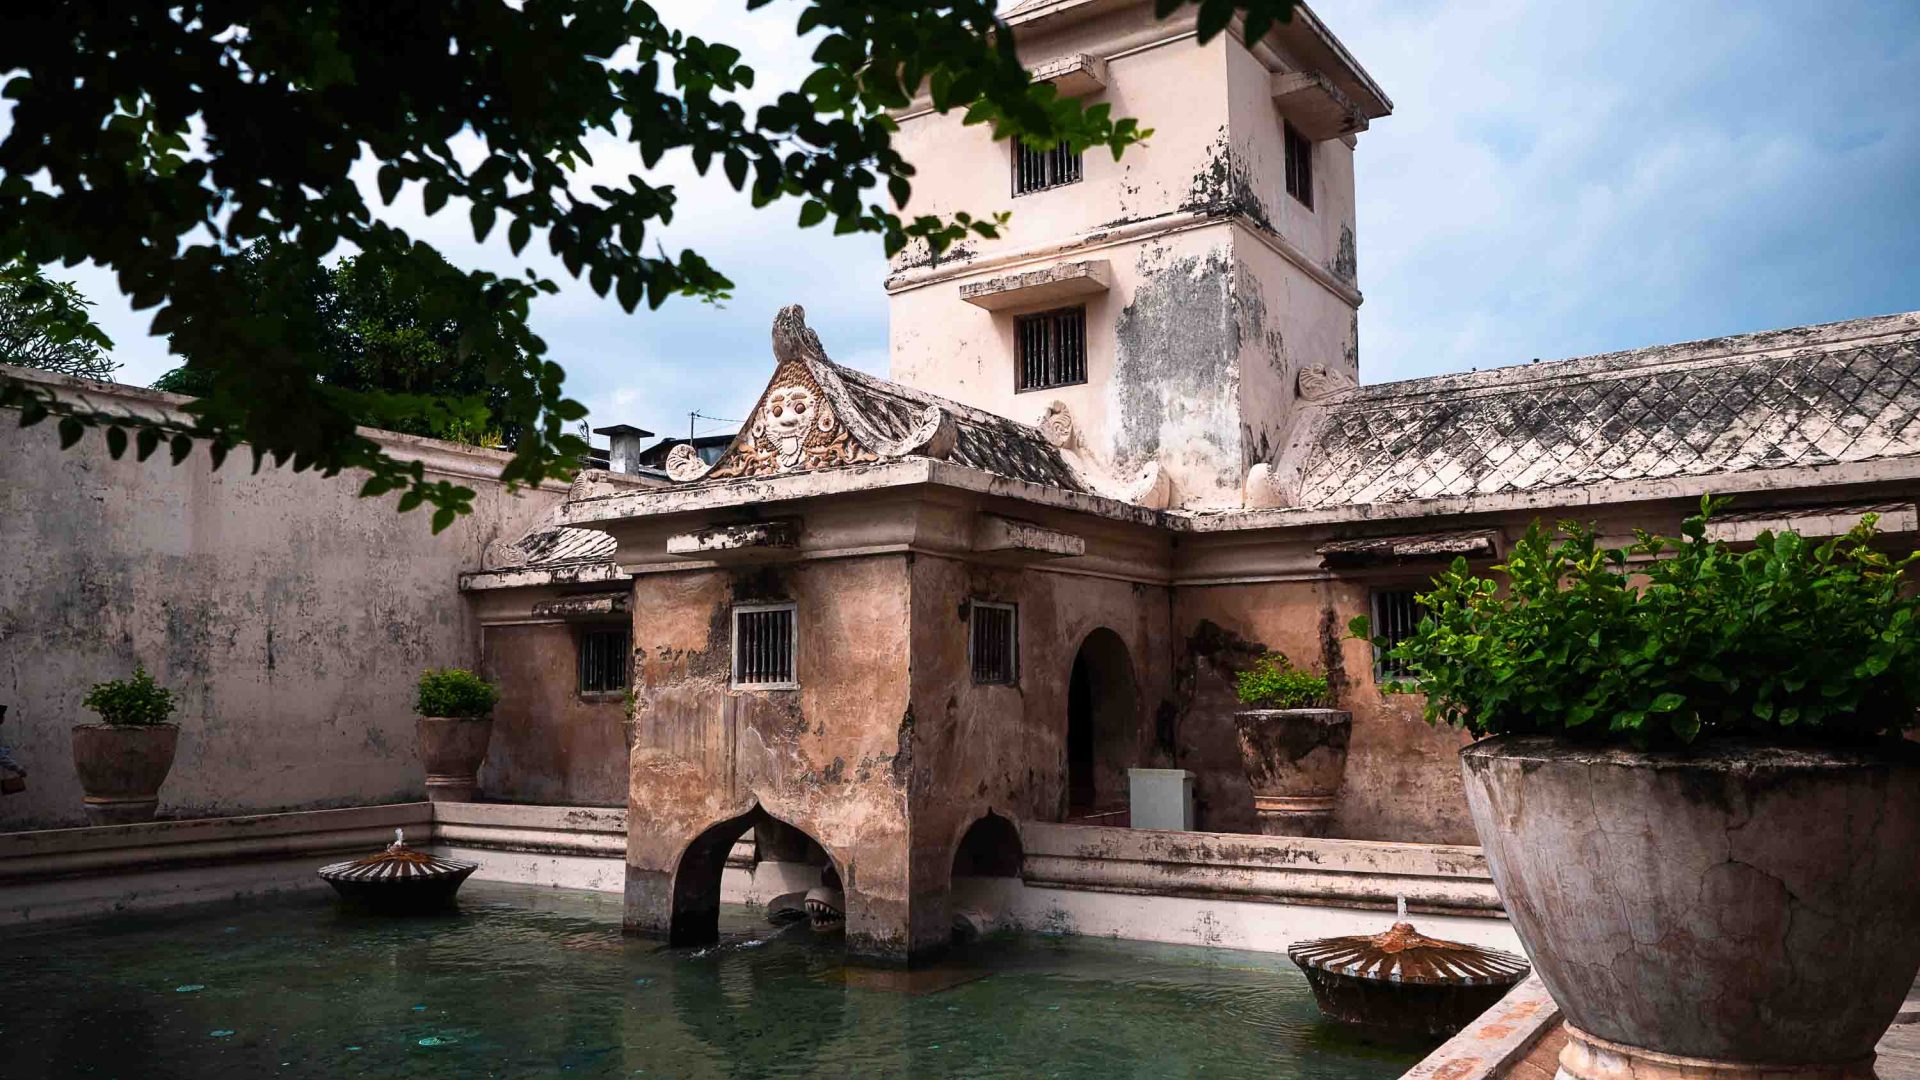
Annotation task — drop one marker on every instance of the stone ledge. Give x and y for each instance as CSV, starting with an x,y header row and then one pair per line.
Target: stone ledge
x,y
1498,1041
1434,879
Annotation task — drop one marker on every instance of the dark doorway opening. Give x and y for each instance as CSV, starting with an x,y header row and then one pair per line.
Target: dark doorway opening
x,y
696,882
1103,730
991,848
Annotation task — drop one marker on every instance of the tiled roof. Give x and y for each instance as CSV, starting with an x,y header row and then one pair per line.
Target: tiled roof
x,y
561,545
1816,395
985,440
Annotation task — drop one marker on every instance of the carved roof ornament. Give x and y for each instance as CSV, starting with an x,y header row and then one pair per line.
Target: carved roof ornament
x,y
1271,486
1057,425
1317,383
809,418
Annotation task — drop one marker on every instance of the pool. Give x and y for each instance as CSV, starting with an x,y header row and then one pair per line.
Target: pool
x,y
530,982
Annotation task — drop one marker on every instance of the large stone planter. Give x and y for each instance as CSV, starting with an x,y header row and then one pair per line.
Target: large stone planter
x,y
452,749
1296,760
121,769
1741,910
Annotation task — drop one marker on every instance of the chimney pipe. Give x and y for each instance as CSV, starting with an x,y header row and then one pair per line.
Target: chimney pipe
x,y
623,446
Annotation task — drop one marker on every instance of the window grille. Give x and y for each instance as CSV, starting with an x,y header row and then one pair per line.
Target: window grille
x,y
1037,170
763,646
603,660
1299,166
1396,613
993,643
1053,348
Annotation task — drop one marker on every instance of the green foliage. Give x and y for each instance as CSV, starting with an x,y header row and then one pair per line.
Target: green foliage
x,y
135,702
379,354
1274,683
455,692
44,324
162,141
1790,638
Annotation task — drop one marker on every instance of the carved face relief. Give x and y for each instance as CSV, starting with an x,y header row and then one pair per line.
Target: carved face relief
x,y
790,413
794,428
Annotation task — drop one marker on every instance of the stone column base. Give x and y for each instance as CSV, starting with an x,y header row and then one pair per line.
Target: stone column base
x,y
442,788
1589,1057
109,810
1294,815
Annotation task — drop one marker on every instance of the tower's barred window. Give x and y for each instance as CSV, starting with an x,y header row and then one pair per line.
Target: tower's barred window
x,y
1053,348
1037,170
994,643
603,660
1396,613
763,646
1299,166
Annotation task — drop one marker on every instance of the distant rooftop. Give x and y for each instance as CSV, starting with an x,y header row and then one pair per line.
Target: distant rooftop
x,y
1812,395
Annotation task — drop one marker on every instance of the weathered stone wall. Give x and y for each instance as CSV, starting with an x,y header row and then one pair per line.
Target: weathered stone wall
x,y
826,758
1403,777
551,745
1003,749
290,617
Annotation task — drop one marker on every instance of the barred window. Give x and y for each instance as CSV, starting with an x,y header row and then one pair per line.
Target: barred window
x,y
1037,170
1396,612
763,646
1053,348
1299,166
993,642
603,660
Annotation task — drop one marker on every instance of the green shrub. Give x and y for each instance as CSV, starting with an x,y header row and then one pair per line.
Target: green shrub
x,y
135,702
1817,642
1274,683
455,692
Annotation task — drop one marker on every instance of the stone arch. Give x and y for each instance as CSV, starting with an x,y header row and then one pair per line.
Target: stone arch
x,y
1103,725
694,918
989,848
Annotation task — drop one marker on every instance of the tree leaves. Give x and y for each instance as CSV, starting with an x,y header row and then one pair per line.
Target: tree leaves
x,y
164,142
1710,640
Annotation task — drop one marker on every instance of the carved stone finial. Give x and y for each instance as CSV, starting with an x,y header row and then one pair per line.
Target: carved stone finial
x,y
1270,487
1315,383
1057,425
935,435
1150,488
793,339
684,463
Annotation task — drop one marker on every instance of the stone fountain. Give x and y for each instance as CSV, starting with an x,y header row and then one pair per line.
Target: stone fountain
x,y
399,880
1403,982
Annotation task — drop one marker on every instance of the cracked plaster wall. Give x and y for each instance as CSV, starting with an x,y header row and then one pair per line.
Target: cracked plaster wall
x,y
981,748
1191,353
551,744
830,758
1403,776
290,617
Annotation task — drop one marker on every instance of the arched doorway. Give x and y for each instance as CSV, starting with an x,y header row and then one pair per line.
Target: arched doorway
x,y
990,848
696,880
1103,719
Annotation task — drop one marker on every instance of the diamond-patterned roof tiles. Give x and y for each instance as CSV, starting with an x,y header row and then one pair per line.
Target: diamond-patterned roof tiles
x,y
1844,392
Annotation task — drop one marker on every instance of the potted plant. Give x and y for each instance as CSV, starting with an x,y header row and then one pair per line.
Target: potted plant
x,y
1692,791
456,723
1294,746
123,759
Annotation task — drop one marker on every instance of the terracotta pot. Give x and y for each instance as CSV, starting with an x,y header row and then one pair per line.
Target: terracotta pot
x,y
452,749
121,769
1738,910
1296,760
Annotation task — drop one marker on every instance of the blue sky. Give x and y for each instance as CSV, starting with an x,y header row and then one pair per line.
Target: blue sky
x,y
1557,179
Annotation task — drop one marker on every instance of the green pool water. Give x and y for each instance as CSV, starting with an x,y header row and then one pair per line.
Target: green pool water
x,y
526,982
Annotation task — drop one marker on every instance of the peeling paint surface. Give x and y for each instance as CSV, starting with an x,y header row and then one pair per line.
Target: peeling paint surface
x,y
290,617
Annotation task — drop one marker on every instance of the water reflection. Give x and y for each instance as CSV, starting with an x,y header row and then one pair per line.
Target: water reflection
x,y
527,983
